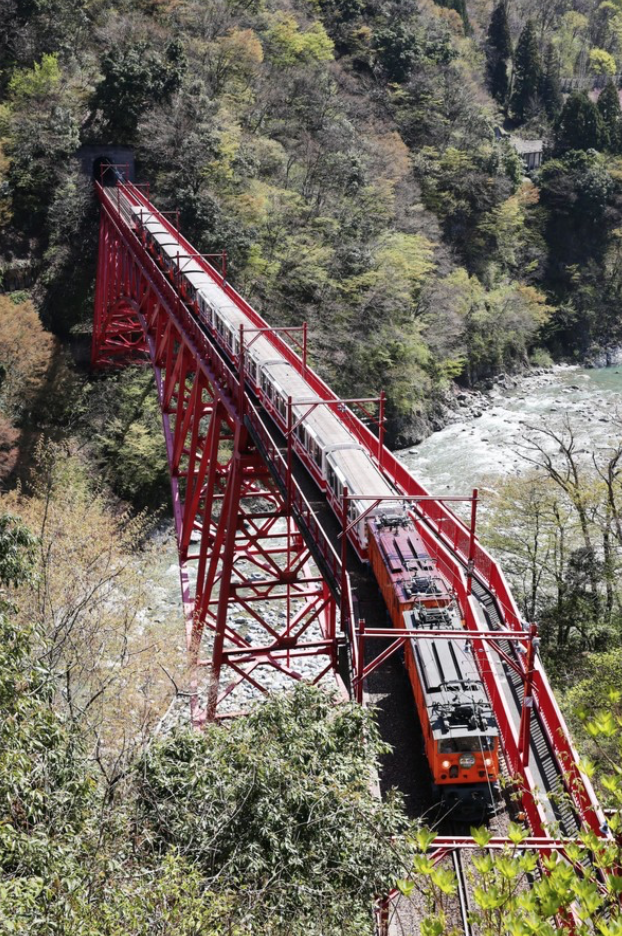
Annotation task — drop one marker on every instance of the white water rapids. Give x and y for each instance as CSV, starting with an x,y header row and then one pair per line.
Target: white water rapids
x,y
470,450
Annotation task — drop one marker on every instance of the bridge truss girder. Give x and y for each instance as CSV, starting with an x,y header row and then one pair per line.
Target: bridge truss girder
x,y
254,602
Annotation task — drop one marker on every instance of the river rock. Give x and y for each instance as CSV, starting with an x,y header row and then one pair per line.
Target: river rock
x,y
605,357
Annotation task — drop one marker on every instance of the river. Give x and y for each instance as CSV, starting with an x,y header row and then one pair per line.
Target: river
x,y
473,450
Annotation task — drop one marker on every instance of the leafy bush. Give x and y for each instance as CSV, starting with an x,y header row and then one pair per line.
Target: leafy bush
x,y
279,803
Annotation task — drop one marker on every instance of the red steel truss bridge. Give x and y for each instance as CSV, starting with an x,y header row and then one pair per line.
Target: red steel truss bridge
x,y
257,541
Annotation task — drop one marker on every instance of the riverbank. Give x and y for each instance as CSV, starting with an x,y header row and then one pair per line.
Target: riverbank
x,y
484,433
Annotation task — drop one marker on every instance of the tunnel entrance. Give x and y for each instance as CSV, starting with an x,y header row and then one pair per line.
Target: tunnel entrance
x,y
107,164
105,173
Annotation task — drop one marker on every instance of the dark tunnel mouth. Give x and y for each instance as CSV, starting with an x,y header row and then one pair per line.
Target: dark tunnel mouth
x,y
105,172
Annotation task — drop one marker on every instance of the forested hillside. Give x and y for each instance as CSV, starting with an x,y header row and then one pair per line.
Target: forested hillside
x,y
358,162
344,154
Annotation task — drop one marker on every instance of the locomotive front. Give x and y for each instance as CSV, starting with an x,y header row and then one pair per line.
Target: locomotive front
x,y
459,727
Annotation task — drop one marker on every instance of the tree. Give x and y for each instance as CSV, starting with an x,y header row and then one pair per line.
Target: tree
x,y
26,353
520,891
609,107
527,73
498,38
17,551
135,77
87,598
129,445
278,807
398,47
551,89
560,528
498,53
287,45
580,125
499,82
461,9
41,127
602,62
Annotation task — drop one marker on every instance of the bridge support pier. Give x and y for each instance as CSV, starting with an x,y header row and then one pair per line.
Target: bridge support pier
x,y
258,611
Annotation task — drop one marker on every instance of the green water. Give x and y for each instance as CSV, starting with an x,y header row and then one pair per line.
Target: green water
x,y
469,451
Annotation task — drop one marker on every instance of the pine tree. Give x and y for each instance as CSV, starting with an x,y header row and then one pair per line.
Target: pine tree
x,y
498,51
498,81
551,90
580,125
498,38
527,72
609,106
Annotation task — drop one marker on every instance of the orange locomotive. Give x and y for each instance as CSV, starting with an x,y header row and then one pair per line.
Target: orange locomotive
x,y
459,729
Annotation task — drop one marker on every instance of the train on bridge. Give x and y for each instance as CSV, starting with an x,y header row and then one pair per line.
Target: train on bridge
x,y
459,727
237,402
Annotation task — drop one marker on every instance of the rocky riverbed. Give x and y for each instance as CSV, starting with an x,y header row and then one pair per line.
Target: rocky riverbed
x,y
486,429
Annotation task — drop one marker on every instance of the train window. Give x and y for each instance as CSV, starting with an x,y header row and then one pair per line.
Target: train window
x,y
331,477
252,369
281,404
266,386
314,450
467,744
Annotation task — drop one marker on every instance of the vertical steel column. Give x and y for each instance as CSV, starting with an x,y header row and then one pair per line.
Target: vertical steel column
x,y
471,562
524,732
234,489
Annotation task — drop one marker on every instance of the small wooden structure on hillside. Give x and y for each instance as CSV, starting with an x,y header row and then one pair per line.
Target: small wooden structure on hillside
x,y
530,152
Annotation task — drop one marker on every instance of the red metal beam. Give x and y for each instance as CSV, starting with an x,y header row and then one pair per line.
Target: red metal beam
x,y
139,315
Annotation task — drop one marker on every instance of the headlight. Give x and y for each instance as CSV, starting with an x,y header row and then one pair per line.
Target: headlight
x,y
446,764
467,760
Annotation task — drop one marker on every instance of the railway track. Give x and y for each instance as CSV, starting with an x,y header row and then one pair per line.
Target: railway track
x,y
463,895
388,689
542,759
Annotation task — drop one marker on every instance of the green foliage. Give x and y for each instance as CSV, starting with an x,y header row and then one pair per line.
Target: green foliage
x,y
551,89
279,801
609,107
508,899
130,443
527,73
498,52
460,8
17,546
498,37
135,77
499,81
36,84
40,128
241,120
44,785
398,48
269,825
286,45
602,62
580,125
